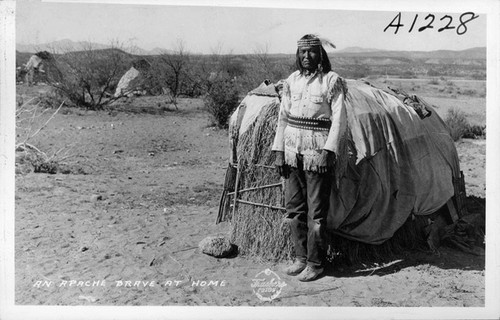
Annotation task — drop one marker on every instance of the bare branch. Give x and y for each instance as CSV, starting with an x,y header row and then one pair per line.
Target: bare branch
x,y
25,146
46,122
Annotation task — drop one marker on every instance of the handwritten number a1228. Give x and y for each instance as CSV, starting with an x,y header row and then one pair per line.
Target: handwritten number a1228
x,y
461,29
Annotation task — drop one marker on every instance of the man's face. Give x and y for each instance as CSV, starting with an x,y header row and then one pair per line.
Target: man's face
x,y
309,57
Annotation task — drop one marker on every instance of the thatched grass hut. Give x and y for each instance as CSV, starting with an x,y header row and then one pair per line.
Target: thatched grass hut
x,y
398,173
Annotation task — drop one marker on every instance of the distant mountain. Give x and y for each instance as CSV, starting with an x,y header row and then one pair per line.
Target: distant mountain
x,y
141,52
67,45
390,56
60,46
157,51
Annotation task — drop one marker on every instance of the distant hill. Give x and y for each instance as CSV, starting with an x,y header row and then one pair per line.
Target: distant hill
x,y
354,52
473,53
352,62
23,57
357,50
60,46
67,45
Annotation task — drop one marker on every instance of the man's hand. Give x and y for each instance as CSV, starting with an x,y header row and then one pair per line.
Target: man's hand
x,y
326,162
281,167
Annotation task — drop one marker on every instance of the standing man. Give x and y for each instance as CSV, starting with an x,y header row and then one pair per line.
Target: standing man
x,y
311,121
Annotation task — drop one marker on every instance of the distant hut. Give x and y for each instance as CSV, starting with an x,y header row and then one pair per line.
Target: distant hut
x,y
132,82
35,67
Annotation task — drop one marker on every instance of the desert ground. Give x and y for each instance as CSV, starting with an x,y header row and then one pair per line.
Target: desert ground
x,y
123,226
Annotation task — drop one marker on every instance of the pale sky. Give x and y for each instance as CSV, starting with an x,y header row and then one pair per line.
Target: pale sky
x,y
238,30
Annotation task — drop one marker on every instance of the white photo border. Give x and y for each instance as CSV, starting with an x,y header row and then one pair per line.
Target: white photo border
x,y
8,309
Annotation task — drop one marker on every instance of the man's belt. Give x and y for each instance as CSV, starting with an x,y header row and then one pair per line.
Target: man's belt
x,y
309,123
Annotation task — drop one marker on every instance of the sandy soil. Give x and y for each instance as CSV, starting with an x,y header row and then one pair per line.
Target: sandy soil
x,y
146,193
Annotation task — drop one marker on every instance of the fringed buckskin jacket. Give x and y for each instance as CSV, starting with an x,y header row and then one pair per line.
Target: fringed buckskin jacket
x,y
312,117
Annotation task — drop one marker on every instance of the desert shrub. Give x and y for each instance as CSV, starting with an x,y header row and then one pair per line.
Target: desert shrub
x,y
469,92
193,85
51,99
31,119
176,74
221,100
433,73
155,79
479,76
457,123
261,67
475,132
408,74
88,77
358,71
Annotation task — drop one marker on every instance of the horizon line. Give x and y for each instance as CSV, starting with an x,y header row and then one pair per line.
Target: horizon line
x,y
125,48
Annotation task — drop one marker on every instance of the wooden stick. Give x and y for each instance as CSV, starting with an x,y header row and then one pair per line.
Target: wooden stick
x,y
283,190
257,188
260,205
265,166
221,207
236,185
257,165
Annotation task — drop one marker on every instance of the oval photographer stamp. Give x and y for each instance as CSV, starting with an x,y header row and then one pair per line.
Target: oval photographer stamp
x,y
267,285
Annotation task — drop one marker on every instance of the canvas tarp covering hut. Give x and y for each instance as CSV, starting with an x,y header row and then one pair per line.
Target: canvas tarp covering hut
x,y
394,163
129,82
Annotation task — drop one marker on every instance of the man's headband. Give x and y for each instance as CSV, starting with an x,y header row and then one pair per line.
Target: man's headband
x,y
309,42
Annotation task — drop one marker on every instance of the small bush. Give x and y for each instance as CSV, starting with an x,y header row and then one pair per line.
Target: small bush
x,y
479,76
475,132
457,123
52,99
221,100
469,92
433,73
408,74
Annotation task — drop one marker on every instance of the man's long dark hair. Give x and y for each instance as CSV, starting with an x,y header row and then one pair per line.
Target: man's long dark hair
x,y
324,63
